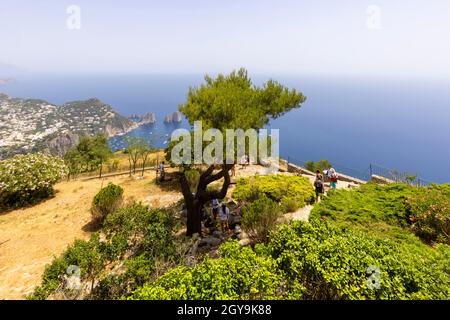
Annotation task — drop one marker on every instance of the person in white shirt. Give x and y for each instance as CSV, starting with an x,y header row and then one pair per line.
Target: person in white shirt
x,y
333,177
224,213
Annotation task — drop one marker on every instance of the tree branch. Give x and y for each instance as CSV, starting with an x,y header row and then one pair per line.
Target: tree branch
x,y
220,174
207,172
185,188
226,184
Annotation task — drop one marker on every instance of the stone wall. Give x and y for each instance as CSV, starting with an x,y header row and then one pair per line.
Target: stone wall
x,y
300,170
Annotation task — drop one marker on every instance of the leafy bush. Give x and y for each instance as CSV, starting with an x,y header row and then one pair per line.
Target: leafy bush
x,y
26,179
147,230
144,237
149,236
320,165
260,218
390,211
429,213
87,255
289,204
279,188
333,263
378,210
240,273
88,155
107,201
311,261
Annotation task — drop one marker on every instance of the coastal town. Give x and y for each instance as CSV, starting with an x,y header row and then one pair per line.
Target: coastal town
x,y
31,125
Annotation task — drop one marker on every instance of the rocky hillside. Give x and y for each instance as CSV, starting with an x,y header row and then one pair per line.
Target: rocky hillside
x,y
36,125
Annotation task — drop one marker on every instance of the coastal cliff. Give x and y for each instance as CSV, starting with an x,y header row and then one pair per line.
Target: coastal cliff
x,y
31,125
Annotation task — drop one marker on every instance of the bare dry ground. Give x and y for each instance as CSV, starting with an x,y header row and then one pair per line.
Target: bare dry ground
x,y
31,237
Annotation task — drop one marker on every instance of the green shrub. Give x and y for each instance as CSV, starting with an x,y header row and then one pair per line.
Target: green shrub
x,y
260,218
86,255
26,179
378,210
444,252
88,155
320,165
149,235
107,201
311,261
429,213
277,187
291,204
239,274
390,211
333,263
144,236
150,230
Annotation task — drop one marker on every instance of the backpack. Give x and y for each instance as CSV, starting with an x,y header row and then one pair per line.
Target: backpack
x,y
318,184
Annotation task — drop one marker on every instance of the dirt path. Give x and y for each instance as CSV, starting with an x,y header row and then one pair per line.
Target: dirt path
x,y
302,213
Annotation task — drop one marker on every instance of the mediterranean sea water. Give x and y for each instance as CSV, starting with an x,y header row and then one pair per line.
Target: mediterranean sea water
x,y
396,123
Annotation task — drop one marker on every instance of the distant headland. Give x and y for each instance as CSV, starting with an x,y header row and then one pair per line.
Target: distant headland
x,y
34,125
7,81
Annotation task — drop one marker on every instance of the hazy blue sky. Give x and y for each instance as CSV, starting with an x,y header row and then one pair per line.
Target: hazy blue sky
x,y
198,36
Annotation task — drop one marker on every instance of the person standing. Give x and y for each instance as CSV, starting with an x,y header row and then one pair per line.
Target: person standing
x,y
333,178
319,175
162,171
215,208
319,186
224,213
243,161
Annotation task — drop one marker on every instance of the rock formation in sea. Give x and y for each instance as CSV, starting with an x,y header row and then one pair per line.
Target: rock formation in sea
x,y
174,117
147,118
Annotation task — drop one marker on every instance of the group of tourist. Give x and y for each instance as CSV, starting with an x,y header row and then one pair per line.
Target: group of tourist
x,y
218,210
319,183
223,212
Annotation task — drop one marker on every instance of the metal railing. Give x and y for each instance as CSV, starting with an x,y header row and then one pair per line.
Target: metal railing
x,y
397,176
371,171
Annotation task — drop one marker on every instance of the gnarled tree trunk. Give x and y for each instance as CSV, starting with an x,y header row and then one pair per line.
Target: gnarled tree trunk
x,y
195,202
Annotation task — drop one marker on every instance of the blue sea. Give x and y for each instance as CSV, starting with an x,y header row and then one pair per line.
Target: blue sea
x,y
395,123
